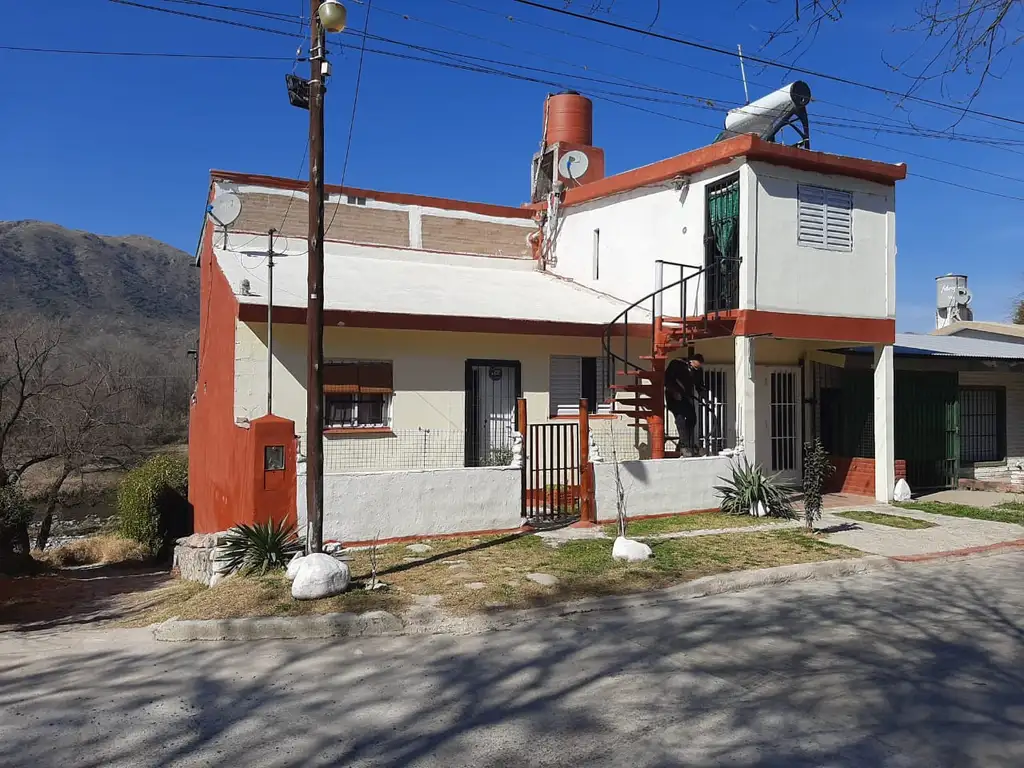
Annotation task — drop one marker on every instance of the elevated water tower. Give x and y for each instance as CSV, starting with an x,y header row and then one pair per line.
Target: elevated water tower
x,y
952,300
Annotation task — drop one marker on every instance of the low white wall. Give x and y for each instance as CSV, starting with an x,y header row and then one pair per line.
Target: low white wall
x,y
660,486
361,505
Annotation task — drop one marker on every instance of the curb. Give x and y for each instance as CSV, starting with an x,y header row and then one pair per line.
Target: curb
x,y
432,621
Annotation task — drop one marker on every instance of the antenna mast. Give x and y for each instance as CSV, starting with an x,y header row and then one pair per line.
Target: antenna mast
x,y
743,73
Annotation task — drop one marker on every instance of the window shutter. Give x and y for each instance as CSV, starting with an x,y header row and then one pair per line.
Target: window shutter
x,y
353,377
811,216
341,377
824,218
564,385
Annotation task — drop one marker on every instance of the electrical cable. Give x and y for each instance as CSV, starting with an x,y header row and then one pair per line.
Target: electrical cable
x,y
352,117
145,54
765,62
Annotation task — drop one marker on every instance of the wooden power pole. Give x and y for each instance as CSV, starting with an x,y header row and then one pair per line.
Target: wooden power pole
x,y
315,283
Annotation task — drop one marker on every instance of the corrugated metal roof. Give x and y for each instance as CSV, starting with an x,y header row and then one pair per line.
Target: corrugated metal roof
x,y
956,346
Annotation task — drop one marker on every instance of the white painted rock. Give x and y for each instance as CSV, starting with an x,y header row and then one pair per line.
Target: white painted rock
x,y
758,510
419,549
630,550
319,575
902,490
293,566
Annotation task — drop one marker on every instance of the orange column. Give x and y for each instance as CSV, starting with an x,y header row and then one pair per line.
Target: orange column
x,y
587,517
656,421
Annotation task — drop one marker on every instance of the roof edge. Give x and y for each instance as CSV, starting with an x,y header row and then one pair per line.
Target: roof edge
x,y
750,146
398,198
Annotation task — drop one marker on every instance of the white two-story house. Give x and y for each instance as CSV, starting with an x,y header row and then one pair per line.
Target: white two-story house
x,y
447,323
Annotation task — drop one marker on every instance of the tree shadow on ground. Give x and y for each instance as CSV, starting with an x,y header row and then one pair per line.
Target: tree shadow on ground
x,y
70,597
918,667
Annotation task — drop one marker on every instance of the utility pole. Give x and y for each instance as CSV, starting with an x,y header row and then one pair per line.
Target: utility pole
x,y
315,284
270,321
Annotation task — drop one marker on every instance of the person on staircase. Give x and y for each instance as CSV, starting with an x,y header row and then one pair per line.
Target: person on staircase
x,y
684,388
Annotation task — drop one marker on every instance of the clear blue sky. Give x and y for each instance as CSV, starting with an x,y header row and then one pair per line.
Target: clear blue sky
x,y
124,146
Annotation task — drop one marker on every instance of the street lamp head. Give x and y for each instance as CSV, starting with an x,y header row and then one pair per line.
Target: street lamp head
x,y
332,15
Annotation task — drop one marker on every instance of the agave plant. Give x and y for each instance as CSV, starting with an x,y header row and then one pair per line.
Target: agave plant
x,y
260,548
749,486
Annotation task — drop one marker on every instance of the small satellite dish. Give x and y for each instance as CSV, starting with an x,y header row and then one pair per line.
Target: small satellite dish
x,y
964,296
225,208
573,165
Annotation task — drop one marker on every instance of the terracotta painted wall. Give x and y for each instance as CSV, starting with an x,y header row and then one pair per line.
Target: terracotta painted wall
x,y
857,476
227,482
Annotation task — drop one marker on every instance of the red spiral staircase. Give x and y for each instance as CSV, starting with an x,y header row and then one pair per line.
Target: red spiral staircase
x,y
644,390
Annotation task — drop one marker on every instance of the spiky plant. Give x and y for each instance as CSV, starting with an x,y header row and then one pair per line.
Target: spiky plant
x,y
749,485
260,548
817,470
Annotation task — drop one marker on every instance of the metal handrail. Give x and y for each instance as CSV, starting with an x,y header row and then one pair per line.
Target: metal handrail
x,y
606,342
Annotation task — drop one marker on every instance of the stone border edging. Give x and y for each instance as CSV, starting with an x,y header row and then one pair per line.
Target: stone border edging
x,y
434,622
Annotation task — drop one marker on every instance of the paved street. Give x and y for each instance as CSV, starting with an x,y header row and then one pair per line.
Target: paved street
x,y
922,667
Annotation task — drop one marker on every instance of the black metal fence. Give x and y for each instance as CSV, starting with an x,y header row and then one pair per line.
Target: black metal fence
x,y
552,469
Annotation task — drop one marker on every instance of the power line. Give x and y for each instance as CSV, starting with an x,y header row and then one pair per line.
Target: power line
x,y
145,54
200,17
355,105
272,15
766,62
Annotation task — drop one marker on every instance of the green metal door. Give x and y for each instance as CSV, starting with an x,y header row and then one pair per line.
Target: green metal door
x,y
927,428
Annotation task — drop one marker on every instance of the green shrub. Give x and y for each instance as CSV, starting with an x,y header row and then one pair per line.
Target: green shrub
x,y
152,502
260,548
817,470
749,485
15,510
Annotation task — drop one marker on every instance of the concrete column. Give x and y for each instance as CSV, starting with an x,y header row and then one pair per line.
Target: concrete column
x,y
746,398
885,459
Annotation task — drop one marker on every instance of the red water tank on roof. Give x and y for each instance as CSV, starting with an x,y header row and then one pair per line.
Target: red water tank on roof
x,y
569,119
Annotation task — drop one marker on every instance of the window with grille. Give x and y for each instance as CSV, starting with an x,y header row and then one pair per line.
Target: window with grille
x,y
824,218
574,377
357,394
982,424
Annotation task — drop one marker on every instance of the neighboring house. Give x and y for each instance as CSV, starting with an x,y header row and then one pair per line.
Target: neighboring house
x,y
959,413
440,315
986,331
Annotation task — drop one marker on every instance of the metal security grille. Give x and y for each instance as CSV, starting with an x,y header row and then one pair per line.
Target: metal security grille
x,y
981,424
552,471
722,245
784,404
712,419
492,388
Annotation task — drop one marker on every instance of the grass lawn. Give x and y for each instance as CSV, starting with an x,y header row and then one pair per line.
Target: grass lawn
x,y
1007,512
701,522
893,521
490,573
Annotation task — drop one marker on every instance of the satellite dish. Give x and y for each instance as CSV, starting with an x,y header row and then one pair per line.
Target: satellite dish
x,y
964,296
225,208
767,116
573,165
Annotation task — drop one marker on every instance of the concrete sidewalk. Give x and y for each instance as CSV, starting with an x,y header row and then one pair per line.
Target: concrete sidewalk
x,y
949,533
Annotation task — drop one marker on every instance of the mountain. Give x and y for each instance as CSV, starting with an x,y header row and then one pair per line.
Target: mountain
x,y
102,285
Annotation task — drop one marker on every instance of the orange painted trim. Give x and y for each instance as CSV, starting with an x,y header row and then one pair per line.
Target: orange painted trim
x,y
749,146
632,518
255,313
349,431
398,198
965,552
785,325
440,536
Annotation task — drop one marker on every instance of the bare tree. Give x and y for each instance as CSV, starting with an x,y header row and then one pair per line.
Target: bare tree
x,y
970,38
61,407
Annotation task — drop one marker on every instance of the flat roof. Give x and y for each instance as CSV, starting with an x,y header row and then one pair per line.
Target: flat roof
x,y
1002,329
374,279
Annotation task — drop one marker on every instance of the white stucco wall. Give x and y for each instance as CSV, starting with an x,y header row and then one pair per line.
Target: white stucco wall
x,y
429,369
637,228
799,279
361,506
657,487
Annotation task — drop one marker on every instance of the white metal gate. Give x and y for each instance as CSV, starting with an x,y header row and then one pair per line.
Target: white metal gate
x,y
779,403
